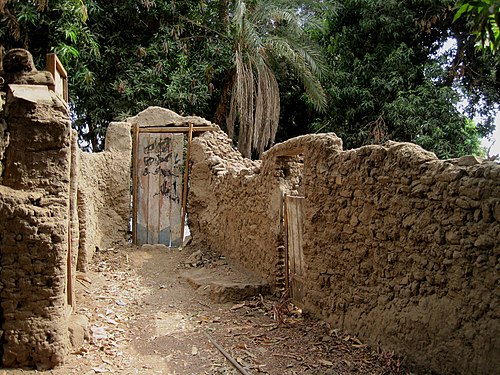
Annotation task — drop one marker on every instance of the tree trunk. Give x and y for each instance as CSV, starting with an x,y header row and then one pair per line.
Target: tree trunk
x,y
222,108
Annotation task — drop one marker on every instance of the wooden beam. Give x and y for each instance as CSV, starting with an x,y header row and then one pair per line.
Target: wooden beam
x,y
285,223
176,191
135,176
186,178
69,271
177,129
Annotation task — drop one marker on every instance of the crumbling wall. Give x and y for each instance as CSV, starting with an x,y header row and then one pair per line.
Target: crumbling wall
x,y
400,248
406,255
103,197
34,218
4,136
233,209
46,182
234,204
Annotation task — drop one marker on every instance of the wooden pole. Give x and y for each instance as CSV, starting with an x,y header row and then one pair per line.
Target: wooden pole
x,y
177,129
285,223
186,177
135,177
226,354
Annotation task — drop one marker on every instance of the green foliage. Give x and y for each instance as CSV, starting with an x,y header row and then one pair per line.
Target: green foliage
x,y
485,18
52,26
47,26
390,80
168,54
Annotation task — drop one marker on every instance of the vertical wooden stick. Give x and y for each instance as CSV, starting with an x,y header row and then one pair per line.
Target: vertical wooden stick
x,y
285,223
69,276
186,177
135,177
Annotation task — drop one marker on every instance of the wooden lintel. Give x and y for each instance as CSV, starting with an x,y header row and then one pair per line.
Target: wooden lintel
x,y
176,129
293,151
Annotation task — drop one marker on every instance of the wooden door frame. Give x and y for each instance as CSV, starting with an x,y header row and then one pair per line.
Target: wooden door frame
x,y
137,130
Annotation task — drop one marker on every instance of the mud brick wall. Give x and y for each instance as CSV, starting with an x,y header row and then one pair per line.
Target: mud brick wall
x,y
400,248
233,208
235,204
403,250
4,138
46,184
34,204
103,197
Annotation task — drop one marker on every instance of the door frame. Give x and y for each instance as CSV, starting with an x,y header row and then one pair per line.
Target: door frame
x,y
190,129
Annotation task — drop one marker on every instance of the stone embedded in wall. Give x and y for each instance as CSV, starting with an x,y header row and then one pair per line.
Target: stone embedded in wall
x,y
4,137
19,61
158,116
19,68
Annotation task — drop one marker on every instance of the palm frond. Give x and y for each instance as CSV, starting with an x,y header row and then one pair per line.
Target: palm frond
x,y
263,31
298,62
267,109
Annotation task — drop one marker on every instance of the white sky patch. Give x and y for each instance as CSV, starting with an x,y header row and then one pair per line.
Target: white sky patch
x,y
494,139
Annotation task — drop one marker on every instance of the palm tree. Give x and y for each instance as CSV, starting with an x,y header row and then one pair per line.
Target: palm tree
x,y
266,34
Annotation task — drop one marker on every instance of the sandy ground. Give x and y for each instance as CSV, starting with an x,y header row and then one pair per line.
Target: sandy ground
x,y
146,318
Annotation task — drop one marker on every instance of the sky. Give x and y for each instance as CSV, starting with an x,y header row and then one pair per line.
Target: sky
x,y
495,150
451,45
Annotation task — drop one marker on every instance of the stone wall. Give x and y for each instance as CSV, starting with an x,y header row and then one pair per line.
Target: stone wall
x,y
234,206
400,248
407,253
4,138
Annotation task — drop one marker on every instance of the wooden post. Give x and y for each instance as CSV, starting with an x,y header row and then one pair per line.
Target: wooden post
x,y
59,74
186,177
69,276
134,182
285,224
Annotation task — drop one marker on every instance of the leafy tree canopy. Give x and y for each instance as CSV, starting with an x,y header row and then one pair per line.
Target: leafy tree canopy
x,y
266,36
392,78
168,54
389,75
485,18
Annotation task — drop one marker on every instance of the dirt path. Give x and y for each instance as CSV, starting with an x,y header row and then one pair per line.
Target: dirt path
x,y
145,318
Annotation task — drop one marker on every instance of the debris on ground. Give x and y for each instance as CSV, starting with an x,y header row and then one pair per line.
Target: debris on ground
x,y
145,318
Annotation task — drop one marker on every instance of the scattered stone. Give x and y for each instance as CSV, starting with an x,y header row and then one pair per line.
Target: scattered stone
x,y
78,328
